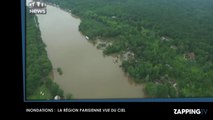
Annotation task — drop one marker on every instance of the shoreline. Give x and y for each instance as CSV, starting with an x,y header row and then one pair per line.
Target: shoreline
x,y
96,42
131,82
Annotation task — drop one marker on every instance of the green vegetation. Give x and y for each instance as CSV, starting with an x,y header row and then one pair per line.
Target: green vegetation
x,y
38,66
169,42
59,70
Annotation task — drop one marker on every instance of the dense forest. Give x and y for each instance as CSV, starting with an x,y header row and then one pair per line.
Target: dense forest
x,y
165,44
39,85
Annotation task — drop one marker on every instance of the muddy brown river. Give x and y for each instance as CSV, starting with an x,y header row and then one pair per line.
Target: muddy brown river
x,y
87,74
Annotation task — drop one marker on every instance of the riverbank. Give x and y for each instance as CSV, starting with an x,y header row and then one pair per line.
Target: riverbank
x,y
118,57
39,83
87,74
156,60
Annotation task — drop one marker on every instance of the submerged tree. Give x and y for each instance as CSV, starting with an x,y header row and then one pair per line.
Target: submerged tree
x,y
59,70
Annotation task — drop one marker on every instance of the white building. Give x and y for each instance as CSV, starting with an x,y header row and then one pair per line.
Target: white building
x,y
57,97
87,37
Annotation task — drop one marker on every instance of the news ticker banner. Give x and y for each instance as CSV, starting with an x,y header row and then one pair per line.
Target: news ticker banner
x,y
75,110
176,109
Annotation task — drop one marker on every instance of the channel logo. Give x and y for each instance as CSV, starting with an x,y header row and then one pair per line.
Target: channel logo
x,y
190,111
37,7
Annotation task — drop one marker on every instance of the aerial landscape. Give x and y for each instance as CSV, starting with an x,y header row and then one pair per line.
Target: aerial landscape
x,y
112,49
